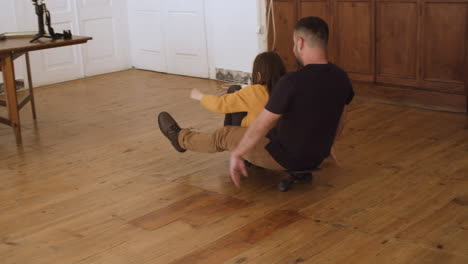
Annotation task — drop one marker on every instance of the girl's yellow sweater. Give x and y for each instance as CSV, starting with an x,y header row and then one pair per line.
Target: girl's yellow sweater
x,y
251,99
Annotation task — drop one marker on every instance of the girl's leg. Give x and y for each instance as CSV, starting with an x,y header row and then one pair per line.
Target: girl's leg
x,y
227,139
234,119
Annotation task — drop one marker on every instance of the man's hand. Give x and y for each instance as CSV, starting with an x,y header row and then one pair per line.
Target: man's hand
x,y
333,156
196,94
236,168
260,127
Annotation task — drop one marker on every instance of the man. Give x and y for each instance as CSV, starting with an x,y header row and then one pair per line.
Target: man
x,y
298,126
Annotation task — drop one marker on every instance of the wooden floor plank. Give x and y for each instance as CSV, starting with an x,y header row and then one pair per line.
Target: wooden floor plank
x,y
189,208
241,239
96,182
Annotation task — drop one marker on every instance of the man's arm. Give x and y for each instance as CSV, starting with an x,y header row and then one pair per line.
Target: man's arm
x,y
339,130
342,122
258,130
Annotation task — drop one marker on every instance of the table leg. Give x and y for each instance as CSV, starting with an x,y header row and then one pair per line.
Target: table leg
x,y
31,92
10,92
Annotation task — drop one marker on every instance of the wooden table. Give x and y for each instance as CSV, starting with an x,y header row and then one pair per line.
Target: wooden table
x,y
10,50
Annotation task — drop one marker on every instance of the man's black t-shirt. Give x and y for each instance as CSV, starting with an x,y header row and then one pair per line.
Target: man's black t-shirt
x,y
311,102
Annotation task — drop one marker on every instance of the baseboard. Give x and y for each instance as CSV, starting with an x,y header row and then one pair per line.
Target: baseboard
x,y
406,96
19,85
233,76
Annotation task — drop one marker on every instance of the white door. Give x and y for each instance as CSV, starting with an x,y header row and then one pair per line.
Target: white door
x,y
147,41
185,36
52,65
105,21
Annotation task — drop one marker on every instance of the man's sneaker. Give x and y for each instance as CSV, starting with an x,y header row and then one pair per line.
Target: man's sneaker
x,y
170,129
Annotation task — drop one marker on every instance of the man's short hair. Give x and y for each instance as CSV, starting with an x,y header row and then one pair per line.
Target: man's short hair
x,y
314,30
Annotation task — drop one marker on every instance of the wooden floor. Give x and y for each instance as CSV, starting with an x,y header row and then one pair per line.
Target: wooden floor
x,y
96,182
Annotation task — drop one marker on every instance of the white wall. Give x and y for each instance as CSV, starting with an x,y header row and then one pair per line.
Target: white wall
x,y
106,21
8,24
7,16
235,32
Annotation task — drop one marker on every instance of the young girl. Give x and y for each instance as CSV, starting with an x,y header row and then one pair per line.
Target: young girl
x,y
242,106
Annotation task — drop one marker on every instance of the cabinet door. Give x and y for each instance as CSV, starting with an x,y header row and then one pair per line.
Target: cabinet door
x,y
319,8
444,39
354,38
285,20
397,42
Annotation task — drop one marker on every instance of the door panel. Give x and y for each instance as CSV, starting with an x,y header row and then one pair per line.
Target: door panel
x,y
445,41
316,8
285,20
104,21
100,48
52,65
58,5
397,42
354,34
186,38
59,58
147,35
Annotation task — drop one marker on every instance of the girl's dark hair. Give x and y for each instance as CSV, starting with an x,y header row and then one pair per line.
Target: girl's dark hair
x,y
271,68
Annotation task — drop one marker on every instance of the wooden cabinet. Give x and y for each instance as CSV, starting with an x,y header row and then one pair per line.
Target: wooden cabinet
x,y
422,44
418,48
354,38
285,19
444,45
397,42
